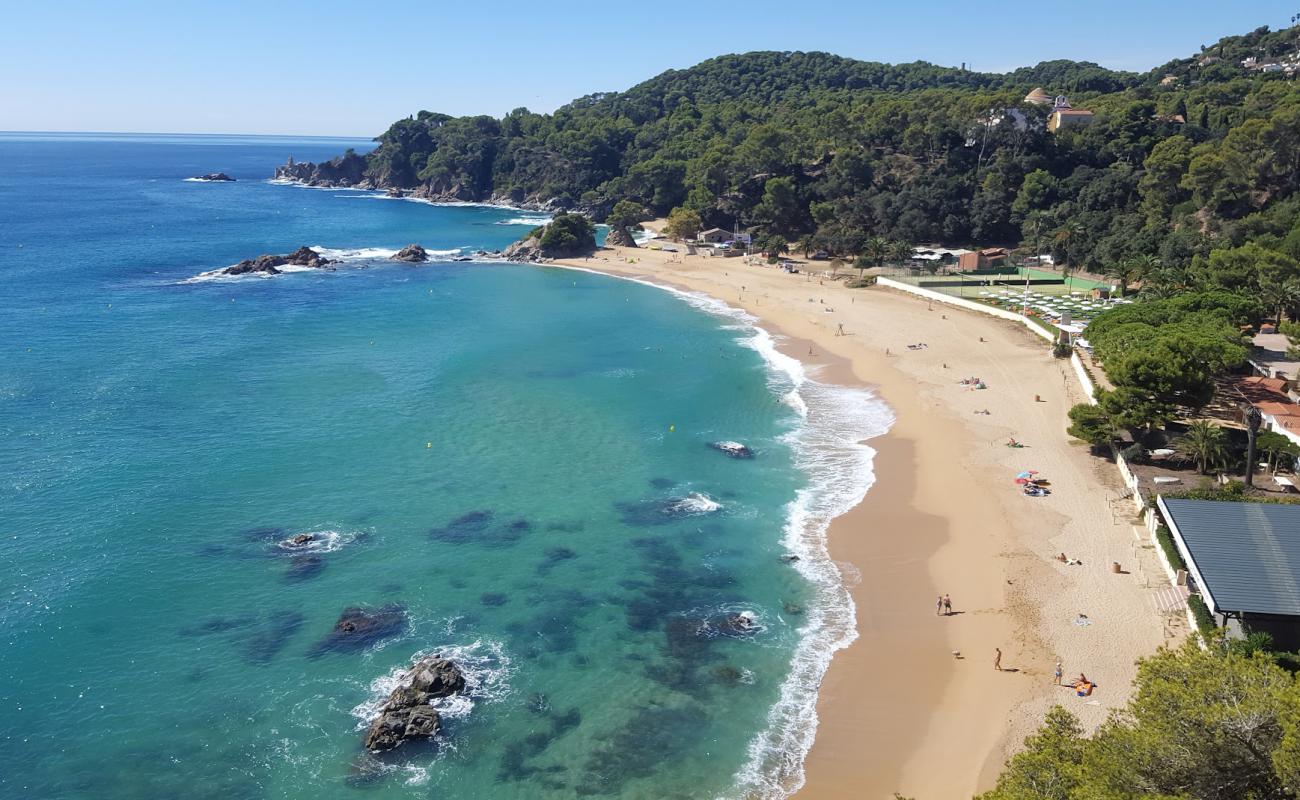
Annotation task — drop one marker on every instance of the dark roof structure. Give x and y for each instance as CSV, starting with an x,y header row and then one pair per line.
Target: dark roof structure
x,y
1245,556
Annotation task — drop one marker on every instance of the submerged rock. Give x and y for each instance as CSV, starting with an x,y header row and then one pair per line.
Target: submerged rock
x,y
407,714
733,449
270,264
214,176
358,628
298,540
411,254
303,567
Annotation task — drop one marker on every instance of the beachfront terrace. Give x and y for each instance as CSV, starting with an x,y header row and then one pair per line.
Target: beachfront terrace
x,y
1050,299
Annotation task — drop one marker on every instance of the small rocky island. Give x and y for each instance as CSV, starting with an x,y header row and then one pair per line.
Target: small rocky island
x,y
565,236
214,177
733,449
406,714
270,264
411,254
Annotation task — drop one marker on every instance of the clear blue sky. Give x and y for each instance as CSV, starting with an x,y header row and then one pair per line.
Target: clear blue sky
x,y
335,68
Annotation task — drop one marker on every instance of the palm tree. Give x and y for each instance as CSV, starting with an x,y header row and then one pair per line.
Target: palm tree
x,y
1253,419
1164,281
1133,269
900,251
874,252
807,244
1204,444
1067,239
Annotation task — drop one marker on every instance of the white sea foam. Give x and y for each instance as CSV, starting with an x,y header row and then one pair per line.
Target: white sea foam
x,y
828,444
379,194
323,541
693,503
532,221
353,253
340,254
644,235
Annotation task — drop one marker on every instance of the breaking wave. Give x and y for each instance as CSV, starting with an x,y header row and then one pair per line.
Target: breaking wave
x,y
832,424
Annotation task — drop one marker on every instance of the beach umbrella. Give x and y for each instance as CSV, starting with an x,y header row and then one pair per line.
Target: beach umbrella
x,y
1029,473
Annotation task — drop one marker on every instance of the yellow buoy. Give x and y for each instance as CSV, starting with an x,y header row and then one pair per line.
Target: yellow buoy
x,y
672,428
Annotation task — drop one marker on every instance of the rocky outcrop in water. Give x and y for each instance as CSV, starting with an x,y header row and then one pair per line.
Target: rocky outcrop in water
x,y
529,249
348,169
215,177
270,264
733,449
620,236
406,714
411,254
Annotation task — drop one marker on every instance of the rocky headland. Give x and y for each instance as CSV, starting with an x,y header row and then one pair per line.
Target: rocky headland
x,y
352,171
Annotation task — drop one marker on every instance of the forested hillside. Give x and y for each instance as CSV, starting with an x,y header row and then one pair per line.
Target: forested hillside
x,y
833,151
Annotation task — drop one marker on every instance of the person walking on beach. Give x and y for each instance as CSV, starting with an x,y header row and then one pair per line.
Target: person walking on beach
x,y
1056,676
997,659
947,606
938,606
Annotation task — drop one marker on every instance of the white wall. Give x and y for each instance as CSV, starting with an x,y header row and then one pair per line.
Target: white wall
x,y
961,302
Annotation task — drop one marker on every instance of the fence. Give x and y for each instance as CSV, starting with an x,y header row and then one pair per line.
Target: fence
x,y
961,302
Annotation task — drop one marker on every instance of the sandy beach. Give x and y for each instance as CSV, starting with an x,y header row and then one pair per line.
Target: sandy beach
x,y
915,705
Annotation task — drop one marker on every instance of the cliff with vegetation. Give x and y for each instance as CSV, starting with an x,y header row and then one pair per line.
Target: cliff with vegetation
x,y
829,153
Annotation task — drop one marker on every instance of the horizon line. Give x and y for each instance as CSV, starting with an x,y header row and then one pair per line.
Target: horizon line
x,y
189,133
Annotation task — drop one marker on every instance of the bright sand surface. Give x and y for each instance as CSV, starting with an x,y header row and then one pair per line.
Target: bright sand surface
x,y
899,711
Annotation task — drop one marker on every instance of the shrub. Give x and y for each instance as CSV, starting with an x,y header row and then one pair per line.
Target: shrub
x,y
1135,453
1166,541
861,283
1062,350
1204,619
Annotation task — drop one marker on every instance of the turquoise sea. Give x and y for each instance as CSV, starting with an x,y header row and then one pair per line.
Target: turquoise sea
x,y
512,462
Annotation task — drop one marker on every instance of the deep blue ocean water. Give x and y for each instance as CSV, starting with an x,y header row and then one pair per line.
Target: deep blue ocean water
x,y
513,460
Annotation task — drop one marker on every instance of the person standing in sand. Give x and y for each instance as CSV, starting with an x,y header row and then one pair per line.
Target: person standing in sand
x,y
938,606
1056,676
997,659
947,606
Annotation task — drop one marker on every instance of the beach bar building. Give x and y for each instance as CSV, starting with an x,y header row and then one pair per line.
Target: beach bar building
x,y
1244,559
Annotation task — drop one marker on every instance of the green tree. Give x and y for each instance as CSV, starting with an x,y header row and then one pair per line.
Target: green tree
x,y
775,246
807,244
568,235
874,252
683,223
1050,767
1216,724
1091,424
1204,444
1162,172
1275,446
626,214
